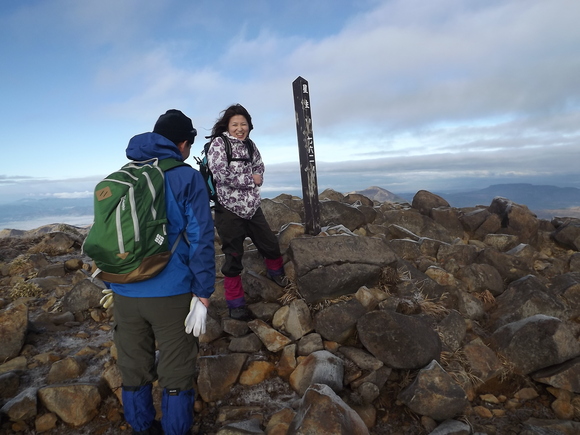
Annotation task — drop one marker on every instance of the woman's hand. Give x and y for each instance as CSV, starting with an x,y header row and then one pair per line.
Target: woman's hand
x,y
257,179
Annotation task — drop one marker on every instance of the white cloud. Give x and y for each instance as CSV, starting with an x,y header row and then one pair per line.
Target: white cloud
x,y
404,92
70,195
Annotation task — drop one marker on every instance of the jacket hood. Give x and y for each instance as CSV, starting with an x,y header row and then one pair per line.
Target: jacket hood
x,y
146,146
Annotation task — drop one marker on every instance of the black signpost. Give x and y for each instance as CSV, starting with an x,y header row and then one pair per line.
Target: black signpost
x,y
306,154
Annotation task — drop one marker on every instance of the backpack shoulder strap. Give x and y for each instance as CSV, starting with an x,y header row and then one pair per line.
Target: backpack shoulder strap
x,y
167,164
228,145
250,145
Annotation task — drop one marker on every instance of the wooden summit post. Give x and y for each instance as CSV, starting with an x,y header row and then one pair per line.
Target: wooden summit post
x,y
306,154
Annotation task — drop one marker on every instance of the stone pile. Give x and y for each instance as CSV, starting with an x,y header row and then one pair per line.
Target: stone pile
x,y
399,319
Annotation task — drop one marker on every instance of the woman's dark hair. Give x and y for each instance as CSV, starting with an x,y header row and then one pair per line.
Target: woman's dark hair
x,y
222,123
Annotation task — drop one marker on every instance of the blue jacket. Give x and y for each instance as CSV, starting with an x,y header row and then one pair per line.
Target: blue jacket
x,y
192,265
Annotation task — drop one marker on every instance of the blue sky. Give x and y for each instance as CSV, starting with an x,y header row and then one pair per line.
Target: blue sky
x,y
406,94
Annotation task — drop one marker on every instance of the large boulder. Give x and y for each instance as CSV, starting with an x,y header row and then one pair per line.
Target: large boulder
x,y
435,394
524,298
516,219
339,213
321,411
278,214
399,341
568,235
13,324
329,267
536,342
424,201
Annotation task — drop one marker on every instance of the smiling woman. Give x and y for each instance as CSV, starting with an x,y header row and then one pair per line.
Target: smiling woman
x,y
237,168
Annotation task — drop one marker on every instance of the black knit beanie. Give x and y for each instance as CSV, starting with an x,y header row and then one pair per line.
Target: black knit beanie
x,y
175,126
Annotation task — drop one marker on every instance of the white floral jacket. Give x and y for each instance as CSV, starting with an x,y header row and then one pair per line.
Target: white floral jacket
x,y
235,186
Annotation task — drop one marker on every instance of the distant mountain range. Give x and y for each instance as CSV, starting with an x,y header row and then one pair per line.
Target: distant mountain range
x,y
545,201
381,195
534,196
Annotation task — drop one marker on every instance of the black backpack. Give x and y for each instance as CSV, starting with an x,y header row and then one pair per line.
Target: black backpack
x,y
204,168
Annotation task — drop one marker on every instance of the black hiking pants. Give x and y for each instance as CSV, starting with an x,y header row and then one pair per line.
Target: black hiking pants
x,y
233,230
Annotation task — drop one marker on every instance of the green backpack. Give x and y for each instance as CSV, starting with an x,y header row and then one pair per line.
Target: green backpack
x,y
128,238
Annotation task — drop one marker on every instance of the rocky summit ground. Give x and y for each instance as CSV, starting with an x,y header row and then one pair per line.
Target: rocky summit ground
x,y
398,319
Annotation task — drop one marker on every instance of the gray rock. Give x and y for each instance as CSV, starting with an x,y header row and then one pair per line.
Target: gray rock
x,y
435,394
361,358
565,375
480,277
353,198
330,195
75,404
249,344
13,324
567,287
536,342
245,427
84,295
509,267
516,219
321,411
309,343
448,218
272,339
501,242
329,267
408,249
452,427
334,213
418,224
21,407
278,214
482,361
218,374
321,367
523,298
338,321
424,201
452,330
9,384
539,426
568,235
258,286
399,341
299,321
473,219
458,255
64,370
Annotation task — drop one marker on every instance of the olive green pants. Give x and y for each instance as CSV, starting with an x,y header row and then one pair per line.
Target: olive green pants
x,y
146,324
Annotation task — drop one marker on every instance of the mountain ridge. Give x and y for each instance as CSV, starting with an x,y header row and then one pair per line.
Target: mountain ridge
x,y
545,200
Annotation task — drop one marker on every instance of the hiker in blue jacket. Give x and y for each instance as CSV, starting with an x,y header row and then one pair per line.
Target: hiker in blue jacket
x,y
151,314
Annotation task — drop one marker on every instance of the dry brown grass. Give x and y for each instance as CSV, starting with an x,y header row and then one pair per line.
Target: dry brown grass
x,y
328,302
456,365
388,278
433,309
47,249
25,290
486,297
291,293
22,266
507,370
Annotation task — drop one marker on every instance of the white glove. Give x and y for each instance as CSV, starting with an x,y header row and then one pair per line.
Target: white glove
x,y
107,300
195,320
